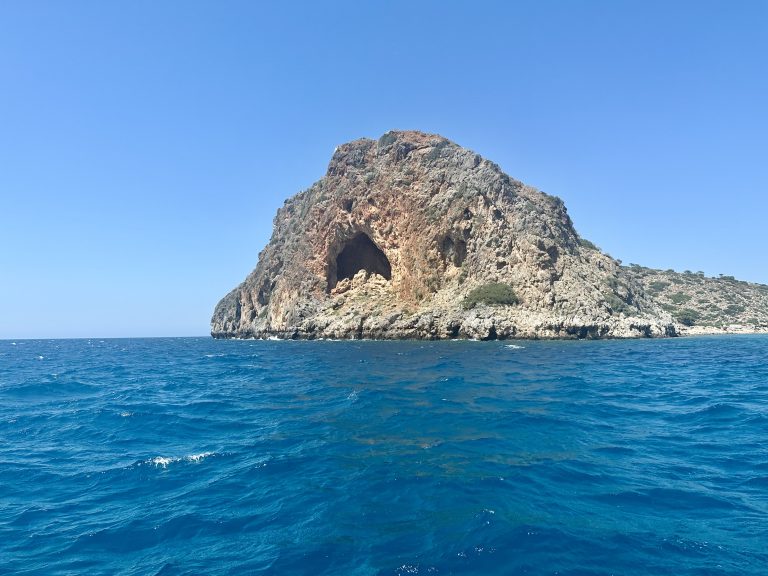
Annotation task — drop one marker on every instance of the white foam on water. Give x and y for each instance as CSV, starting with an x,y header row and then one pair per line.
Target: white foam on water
x,y
274,338
198,457
13,343
514,347
126,414
41,357
162,461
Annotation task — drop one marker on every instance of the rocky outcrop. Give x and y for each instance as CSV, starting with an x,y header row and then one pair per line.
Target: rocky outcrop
x,y
396,235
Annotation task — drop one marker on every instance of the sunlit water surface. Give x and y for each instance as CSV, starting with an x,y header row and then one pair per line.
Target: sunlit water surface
x,y
195,456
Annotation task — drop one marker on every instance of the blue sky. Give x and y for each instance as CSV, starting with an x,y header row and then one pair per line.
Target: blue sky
x,y
145,146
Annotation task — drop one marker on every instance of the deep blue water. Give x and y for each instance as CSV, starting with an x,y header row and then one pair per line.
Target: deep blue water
x,y
195,456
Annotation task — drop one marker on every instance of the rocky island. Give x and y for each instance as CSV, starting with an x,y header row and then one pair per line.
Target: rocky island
x,y
413,236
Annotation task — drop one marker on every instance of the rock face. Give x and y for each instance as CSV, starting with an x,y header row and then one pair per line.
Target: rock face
x,y
396,235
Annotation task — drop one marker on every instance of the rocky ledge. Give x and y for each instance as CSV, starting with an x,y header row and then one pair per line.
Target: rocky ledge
x,y
413,236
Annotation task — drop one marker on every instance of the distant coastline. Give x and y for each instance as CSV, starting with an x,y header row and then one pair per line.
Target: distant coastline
x,y
724,331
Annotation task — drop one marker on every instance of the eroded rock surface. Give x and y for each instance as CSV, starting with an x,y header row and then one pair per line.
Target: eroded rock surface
x,y
398,232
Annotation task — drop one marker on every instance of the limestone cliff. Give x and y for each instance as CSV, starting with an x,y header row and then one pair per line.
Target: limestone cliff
x,y
396,238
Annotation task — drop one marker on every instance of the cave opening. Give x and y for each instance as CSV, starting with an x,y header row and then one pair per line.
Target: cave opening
x,y
359,253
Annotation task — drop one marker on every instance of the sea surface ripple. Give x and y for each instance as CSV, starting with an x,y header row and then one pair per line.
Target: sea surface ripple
x,y
197,456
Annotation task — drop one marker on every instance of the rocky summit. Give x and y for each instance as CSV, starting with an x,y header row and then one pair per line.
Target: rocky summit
x,y
413,236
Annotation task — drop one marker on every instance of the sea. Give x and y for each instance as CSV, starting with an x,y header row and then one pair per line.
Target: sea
x,y
187,456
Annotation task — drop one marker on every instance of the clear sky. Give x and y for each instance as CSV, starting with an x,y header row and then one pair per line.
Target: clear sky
x,y
145,146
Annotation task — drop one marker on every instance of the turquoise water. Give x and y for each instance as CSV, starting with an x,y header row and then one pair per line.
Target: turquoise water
x,y
196,456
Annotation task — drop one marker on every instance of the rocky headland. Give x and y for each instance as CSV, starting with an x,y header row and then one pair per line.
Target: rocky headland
x,y
413,236
706,305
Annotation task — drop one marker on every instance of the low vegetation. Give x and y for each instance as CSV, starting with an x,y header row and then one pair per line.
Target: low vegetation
x,y
495,294
694,299
658,286
587,244
617,305
680,298
687,317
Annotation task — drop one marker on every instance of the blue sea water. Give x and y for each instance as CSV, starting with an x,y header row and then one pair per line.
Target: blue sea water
x,y
197,456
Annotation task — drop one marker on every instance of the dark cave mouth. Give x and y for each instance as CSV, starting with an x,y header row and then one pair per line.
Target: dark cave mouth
x,y
359,253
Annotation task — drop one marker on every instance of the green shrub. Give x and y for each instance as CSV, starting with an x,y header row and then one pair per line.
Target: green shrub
x,y
657,286
687,317
734,309
679,298
495,294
